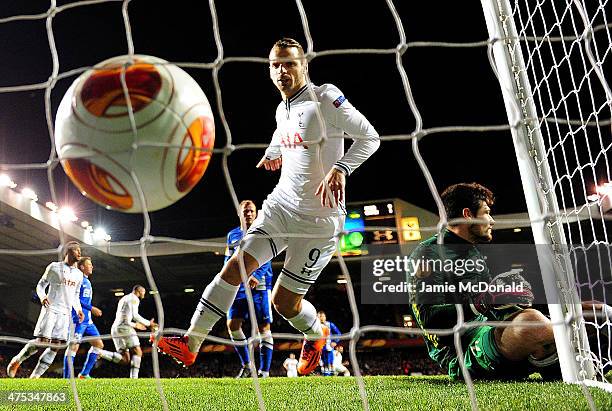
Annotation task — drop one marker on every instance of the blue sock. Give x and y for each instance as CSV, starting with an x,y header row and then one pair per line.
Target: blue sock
x,y
92,357
265,357
66,366
265,351
243,353
242,350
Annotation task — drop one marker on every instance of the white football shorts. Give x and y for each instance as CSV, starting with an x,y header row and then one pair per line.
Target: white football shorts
x,y
276,229
124,337
52,324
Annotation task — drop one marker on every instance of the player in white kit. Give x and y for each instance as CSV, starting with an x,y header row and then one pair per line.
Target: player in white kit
x,y
338,365
308,201
290,365
58,291
123,331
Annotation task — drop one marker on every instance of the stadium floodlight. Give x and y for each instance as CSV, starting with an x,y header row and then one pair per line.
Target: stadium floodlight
x,y
341,281
119,293
99,234
51,206
27,192
5,181
188,290
153,292
67,214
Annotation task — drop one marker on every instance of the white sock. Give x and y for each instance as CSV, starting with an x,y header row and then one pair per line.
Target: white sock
x,y
110,356
307,321
237,335
94,350
135,366
26,352
215,302
44,362
266,339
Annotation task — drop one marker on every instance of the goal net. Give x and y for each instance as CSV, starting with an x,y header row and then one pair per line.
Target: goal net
x,y
551,58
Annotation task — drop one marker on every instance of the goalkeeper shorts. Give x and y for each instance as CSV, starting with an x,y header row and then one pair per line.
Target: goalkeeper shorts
x,y
483,359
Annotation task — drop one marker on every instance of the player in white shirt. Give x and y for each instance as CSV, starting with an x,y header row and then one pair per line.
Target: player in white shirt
x,y
58,291
308,200
339,367
290,365
123,331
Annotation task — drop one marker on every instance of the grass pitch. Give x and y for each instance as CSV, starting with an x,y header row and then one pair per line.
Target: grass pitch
x,y
312,393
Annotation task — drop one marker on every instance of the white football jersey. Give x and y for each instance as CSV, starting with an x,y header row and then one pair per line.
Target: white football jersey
x,y
291,365
127,312
337,358
64,284
305,164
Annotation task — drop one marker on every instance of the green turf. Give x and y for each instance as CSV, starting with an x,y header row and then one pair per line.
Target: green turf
x,y
313,393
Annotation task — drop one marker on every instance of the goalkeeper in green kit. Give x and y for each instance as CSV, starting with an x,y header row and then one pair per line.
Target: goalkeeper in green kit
x,y
489,352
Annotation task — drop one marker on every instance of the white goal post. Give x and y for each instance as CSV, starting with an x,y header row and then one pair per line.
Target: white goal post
x,y
537,57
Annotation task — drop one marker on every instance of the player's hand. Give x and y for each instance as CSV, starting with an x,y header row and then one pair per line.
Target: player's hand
x,y
333,344
253,282
270,165
154,326
96,311
81,316
335,180
45,302
140,327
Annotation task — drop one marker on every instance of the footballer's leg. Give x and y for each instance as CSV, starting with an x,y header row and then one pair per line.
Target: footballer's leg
x,y
306,258
257,248
135,361
26,352
264,320
236,315
521,341
42,331
73,348
213,305
93,353
46,359
302,315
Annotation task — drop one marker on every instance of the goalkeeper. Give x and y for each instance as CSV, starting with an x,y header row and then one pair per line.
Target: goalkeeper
x,y
489,352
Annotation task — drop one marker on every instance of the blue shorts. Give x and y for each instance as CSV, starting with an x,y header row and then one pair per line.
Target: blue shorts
x,y
84,330
263,309
327,357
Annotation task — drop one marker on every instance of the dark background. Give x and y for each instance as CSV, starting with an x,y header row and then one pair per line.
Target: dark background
x,y
450,87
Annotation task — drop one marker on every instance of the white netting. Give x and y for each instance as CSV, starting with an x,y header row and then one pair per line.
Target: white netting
x,y
565,51
573,110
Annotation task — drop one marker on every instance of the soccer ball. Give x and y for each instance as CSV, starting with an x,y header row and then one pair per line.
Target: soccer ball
x,y
167,146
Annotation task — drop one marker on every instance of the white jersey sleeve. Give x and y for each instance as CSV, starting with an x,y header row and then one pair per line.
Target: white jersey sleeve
x,y
274,149
336,109
127,312
76,302
139,318
43,283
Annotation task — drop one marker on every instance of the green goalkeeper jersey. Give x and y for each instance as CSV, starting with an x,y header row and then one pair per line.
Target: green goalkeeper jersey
x,y
438,310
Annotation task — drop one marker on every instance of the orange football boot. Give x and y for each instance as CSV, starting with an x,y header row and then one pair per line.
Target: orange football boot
x,y
311,353
176,347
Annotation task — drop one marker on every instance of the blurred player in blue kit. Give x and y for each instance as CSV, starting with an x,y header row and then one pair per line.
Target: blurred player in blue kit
x,y
260,283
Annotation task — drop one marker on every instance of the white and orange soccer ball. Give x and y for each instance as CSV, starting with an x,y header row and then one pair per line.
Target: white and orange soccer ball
x,y
168,147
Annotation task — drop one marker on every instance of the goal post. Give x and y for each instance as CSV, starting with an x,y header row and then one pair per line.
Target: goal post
x,y
549,217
